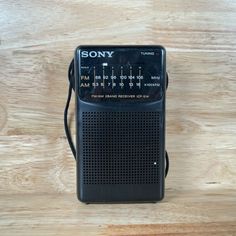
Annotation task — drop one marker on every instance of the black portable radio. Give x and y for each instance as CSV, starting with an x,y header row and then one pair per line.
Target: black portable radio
x,y
120,96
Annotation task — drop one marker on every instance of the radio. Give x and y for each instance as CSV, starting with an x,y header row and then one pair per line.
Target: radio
x,y
120,94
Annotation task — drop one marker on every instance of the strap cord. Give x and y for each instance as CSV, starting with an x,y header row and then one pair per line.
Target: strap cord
x,y
71,86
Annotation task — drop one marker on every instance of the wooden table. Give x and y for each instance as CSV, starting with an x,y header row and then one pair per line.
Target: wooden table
x,y
37,171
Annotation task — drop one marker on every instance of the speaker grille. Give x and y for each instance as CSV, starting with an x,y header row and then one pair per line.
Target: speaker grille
x,y
120,147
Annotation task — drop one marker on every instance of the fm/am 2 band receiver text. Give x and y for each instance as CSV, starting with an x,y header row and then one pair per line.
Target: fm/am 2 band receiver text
x,y
120,122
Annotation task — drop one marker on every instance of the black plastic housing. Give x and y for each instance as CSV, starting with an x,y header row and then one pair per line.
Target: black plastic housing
x,y
120,130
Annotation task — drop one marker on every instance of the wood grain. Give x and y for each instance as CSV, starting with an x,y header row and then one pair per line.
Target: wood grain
x,y
37,171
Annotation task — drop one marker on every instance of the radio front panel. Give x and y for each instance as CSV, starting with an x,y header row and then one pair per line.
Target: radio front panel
x,y
120,123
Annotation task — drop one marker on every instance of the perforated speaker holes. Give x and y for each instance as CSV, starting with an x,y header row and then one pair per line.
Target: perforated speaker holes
x,y
120,147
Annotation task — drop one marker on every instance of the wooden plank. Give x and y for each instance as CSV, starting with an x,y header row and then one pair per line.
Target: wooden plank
x,y
38,93
62,213
46,165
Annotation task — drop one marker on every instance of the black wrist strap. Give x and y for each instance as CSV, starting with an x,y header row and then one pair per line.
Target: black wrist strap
x,y
71,86
71,79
